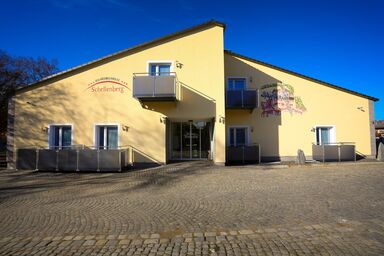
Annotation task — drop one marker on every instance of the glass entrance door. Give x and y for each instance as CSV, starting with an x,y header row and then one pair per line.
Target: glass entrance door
x,y
190,140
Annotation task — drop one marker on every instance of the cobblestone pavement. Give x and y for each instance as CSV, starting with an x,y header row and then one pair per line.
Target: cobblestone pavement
x,y
195,209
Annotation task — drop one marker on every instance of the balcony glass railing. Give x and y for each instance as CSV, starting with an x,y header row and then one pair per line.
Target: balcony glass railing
x,y
242,99
155,86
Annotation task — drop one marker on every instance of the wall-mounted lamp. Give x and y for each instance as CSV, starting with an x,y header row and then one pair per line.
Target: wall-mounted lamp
x,y
44,129
163,119
251,128
125,127
361,109
251,79
313,129
222,119
179,64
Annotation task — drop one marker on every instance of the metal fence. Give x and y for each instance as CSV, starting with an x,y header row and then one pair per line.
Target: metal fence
x,y
335,152
72,159
244,154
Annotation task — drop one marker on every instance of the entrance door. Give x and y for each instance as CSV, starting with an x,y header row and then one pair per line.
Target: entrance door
x,y
190,140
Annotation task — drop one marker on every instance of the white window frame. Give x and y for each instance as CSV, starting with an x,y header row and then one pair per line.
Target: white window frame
x,y
51,141
247,139
95,134
237,77
332,133
158,62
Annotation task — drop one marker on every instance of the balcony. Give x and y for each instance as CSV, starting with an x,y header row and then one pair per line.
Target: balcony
x,y
242,99
158,87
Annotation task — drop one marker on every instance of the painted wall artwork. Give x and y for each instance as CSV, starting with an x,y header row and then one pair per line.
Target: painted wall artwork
x,y
280,97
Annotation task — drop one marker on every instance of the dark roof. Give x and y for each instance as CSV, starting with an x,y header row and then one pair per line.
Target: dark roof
x,y
302,76
163,39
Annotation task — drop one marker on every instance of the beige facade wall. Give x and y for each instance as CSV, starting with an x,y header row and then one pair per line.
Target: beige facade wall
x,y
301,103
66,100
282,134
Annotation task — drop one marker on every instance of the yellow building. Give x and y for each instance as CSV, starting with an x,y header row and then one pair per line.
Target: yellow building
x,y
183,97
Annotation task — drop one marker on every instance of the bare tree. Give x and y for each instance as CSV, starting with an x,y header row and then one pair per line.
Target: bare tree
x,y
17,72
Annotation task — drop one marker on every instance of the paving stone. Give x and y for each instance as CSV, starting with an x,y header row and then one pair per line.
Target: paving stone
x,y
245,232
124,242
210,234
196,208
89,242
101,242
151,241
198,234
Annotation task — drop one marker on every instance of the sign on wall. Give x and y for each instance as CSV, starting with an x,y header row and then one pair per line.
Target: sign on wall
x,y
280,97
107,85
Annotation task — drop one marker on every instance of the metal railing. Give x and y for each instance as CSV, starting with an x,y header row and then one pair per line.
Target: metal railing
x,y
72,158
247,98
244,154
334,152
152,86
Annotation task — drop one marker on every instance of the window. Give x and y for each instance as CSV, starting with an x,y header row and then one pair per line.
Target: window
x,y
325,135
107,136
236,84
160,69
238,136
60,136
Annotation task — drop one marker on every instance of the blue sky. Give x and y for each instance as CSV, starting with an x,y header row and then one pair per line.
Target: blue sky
x,y
340,42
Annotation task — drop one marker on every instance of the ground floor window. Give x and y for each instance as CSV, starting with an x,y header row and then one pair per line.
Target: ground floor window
x,y
107,136
60,136
238,136
325,135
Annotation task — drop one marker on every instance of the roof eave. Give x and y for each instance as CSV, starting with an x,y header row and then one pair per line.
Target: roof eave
x,y
302,76
207,24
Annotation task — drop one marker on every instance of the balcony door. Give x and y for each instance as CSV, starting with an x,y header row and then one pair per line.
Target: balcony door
x,y
160,69
190,140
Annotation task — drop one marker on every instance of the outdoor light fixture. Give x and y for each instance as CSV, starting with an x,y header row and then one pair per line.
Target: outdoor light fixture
x,y
313,129
361,109
125,128
221,119
163,119
250,79
179,64
44,129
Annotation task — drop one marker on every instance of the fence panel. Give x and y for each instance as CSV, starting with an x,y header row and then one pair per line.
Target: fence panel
x,y
47,160
109,160
67,160
26,159
88,160
347,153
